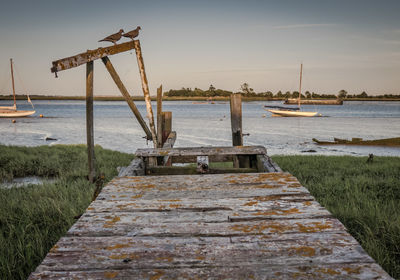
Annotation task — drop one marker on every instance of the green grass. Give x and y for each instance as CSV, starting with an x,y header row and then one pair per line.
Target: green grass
x,y
33,218
365,197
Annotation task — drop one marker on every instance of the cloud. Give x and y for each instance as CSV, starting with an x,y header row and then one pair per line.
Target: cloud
x,y
310,25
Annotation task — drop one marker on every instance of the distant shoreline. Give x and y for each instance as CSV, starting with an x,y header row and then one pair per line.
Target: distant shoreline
x,y
153,98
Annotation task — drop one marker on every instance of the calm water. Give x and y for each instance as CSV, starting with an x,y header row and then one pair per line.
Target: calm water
x,y
209,124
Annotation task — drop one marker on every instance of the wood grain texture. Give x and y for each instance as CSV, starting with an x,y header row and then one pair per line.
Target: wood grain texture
x,y
222,226
90,55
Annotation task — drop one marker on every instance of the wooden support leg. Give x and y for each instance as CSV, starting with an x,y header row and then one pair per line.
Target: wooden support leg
x,y
146,92
89,120
126,95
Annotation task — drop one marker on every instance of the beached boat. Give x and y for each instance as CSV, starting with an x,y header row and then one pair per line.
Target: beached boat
x,y
390,142
289,112
11,111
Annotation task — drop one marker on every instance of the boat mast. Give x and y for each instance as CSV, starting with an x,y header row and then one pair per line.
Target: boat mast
x,y
301,72
12,79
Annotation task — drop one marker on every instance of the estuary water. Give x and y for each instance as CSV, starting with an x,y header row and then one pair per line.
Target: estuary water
x,y
209,125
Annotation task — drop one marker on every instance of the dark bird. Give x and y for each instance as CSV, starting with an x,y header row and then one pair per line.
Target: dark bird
x,y
113,37
132,34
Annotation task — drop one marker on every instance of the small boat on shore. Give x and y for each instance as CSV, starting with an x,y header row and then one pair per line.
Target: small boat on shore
x,y
11,111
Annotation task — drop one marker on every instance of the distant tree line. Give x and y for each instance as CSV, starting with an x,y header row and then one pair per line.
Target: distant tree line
x,y
247,91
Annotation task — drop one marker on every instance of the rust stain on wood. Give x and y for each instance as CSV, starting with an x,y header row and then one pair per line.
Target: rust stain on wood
x,y
235,226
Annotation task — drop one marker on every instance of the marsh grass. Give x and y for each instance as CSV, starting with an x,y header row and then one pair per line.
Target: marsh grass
x,y
33,218
365,197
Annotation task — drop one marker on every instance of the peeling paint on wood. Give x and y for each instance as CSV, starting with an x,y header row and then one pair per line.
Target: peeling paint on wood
x,y
90,55
246,226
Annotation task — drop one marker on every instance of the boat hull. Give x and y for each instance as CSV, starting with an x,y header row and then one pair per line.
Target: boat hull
x,y
286,113
15,114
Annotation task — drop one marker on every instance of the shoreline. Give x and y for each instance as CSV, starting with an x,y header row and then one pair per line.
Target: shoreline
x,y
153,98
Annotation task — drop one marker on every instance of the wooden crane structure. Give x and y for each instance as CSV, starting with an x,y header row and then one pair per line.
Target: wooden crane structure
x,y
88,58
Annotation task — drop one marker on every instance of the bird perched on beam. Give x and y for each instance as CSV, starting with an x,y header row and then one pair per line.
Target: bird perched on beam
x,y
113,37
132,34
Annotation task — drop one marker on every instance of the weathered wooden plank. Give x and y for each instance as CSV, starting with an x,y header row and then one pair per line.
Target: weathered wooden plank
x,y
174,193
269,183
169,143
202,151
230,271
90,55
130,220
262,205
118,225
89,254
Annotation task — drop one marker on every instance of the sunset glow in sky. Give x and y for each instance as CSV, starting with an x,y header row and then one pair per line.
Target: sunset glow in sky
x,y
351,45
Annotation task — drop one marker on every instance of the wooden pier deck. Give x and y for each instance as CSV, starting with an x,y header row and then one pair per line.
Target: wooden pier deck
x,y
219,226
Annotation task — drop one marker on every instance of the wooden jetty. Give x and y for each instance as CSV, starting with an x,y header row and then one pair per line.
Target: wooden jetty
x,y
209,226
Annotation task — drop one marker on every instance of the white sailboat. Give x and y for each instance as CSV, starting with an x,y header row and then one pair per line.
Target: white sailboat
x,y
11,111
293,113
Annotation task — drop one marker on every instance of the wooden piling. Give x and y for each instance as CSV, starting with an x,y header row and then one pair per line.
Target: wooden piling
x,y
89,120
166,125
159,117
236,119
146,92
127,96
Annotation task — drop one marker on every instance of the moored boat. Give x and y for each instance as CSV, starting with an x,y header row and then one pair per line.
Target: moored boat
x,y
11,111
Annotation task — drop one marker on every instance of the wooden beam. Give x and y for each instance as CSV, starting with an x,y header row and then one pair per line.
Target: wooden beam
x,y
146,92
159,117
188,170
89,120
126,95
202,151
89,55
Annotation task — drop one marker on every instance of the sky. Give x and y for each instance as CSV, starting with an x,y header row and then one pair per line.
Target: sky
x,y
351,45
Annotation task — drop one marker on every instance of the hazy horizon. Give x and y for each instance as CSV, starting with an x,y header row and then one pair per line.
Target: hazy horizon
x,y
351,45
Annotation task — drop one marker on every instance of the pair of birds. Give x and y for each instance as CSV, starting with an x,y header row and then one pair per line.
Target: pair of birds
x,y
113,38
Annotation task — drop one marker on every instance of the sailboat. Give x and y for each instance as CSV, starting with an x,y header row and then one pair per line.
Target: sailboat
x,y
290,112
11,111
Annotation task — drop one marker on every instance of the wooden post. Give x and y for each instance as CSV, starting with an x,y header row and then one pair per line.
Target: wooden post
x,y
126,95
166,125
89,120
236,119
159,118
236,126
146,92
